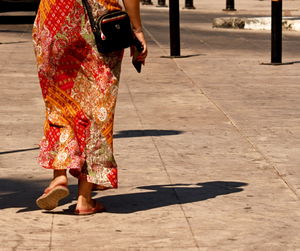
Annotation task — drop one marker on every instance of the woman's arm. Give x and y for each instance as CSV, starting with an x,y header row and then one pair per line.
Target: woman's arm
x,y
133,9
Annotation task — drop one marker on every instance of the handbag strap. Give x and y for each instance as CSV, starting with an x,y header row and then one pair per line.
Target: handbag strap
x,y
90,15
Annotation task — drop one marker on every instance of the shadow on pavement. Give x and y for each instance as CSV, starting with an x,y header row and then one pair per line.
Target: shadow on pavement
x,y
166,195
145,133
17,42
20,150
22,194
162,196
17,19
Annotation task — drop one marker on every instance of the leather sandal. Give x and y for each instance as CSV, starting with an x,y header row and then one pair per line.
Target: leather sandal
x,y
49,200
97,208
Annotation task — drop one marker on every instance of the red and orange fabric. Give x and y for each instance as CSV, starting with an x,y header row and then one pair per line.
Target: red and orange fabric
x,y
79,86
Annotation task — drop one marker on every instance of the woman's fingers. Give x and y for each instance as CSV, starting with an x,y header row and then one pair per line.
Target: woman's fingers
x,y
140,36
143,54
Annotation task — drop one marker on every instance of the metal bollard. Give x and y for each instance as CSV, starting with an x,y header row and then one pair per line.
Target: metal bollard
x,y
147,2
276,40
229,5
161,3
189,4
174,28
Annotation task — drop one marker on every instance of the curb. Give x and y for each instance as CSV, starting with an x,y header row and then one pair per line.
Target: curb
x,y
255,23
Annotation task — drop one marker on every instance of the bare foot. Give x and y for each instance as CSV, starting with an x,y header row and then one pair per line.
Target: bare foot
x,y
85,203
89,208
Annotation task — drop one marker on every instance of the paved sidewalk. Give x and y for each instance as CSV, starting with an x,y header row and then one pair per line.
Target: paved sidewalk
x,y
208,147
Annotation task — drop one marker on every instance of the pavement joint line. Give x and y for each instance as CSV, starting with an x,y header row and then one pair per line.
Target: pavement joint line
x,y
19,242
186,218
155,40
231,122
159,154
273,166
176,194
165,169
245,137
294,191
188,28
252,144
162,48
51,232
188,77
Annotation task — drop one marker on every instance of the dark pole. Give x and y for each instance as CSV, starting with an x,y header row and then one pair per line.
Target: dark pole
x,y
147,2
276,41
189,4
230,5
174,27
161,3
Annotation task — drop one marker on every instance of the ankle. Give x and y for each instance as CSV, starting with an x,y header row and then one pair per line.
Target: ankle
x,y
84,199
84,202
59,178
59,173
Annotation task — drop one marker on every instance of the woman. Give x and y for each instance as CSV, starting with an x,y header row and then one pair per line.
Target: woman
x,y
79,87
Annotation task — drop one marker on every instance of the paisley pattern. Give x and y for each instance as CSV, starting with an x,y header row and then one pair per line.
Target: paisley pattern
x,y
79,87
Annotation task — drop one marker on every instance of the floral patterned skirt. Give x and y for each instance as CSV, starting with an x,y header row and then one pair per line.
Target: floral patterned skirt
x,y
79,87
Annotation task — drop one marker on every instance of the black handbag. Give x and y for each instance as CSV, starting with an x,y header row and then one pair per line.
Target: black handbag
x,y
112,30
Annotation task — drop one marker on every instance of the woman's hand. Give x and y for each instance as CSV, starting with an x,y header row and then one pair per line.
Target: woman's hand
x,y
133,9
142,55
